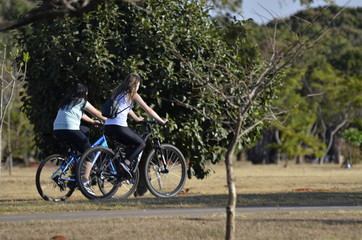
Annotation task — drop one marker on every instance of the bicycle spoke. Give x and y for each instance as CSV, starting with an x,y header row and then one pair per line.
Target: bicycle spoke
x,y
103,181
165,181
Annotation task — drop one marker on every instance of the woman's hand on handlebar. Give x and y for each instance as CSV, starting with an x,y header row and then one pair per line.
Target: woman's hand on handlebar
x,y
97,123
165,121
140,119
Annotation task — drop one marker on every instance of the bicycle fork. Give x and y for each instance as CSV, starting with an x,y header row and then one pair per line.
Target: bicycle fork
x,y
162,163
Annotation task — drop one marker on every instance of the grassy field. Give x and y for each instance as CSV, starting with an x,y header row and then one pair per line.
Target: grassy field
x,y
256,185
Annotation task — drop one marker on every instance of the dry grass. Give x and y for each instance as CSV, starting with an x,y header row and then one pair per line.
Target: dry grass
x,y
256,185
306,225
250,179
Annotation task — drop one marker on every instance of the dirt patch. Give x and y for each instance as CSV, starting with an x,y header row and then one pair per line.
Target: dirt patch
x,y
311,190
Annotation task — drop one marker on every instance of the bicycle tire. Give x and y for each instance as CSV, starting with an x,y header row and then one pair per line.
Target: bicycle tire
x,y
128,186
103,174
49,178
159,182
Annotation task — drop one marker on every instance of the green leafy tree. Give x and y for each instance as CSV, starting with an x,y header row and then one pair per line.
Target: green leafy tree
x,y
323,90
354,136
237,92
354,139
295,132
104,46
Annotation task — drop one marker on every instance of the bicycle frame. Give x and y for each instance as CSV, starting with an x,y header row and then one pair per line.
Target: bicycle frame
x,y
156,144
102,141
63,167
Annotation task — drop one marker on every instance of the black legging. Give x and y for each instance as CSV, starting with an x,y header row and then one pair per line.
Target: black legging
x,y
126,136
76,138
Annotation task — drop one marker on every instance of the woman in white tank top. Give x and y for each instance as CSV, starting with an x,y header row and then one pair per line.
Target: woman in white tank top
x,y
117,128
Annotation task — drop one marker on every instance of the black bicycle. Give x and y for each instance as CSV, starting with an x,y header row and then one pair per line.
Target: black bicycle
x,y
164,170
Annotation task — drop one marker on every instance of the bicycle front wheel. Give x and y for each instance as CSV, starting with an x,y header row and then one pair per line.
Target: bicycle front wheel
x,y
54,178
165,180
96,173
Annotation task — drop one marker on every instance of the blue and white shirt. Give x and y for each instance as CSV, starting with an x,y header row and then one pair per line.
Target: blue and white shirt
x,y
69,119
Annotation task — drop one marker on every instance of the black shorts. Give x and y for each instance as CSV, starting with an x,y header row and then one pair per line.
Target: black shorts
x,y
76,138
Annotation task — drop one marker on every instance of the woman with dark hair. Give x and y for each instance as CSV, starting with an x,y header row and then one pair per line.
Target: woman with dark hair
x,y
126,94
66,126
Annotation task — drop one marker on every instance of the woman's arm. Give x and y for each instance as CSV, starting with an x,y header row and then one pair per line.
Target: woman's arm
x,y
87,119
135,117
92,110
138,99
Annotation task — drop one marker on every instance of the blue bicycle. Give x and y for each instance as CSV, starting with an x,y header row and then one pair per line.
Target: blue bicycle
x,y
55,178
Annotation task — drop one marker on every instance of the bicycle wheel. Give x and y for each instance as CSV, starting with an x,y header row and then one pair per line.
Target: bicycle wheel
x,y
127,186
97,176
55,180
165,181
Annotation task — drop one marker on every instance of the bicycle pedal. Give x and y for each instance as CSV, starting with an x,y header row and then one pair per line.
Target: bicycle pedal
x,y
129,181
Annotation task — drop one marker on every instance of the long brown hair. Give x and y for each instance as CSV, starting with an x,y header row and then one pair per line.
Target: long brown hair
x,y
127,86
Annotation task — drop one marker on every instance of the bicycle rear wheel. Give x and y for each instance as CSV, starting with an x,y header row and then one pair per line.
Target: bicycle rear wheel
x,y
54,180
161,180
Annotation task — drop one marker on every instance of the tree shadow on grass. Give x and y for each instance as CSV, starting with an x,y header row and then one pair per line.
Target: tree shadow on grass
x,y
274,199
183,201
319,221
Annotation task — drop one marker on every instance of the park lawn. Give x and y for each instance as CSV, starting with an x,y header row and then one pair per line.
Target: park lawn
x,y
291,225
306,184
270,185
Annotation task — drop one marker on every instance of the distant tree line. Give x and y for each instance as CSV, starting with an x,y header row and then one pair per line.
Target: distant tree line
x,y
322,91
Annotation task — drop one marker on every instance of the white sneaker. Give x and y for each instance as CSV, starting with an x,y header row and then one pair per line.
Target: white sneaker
x,y
126,168
88,187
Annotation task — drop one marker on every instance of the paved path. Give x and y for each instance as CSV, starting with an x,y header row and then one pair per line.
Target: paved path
x,y
168,212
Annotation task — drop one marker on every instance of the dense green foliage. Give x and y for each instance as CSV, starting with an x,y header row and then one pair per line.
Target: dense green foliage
x,y
101,48
353,136
330,72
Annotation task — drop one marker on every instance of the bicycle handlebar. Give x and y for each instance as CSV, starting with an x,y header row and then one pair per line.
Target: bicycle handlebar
x,y
97,124
151,122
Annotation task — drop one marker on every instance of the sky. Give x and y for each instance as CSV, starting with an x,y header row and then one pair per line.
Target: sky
x,y
262,11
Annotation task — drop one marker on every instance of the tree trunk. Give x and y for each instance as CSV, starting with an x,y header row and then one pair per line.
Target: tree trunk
x,y
230,208
9,143
331,138
1,107
337,150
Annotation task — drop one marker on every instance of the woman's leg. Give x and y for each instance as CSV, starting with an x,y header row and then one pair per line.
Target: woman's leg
x,y
78,141
127,136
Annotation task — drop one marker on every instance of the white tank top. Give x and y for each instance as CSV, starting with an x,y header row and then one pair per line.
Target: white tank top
x,y
125,107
